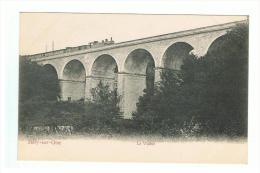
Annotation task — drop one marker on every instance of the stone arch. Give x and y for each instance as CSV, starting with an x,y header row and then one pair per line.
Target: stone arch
x,y
67,63
104,66
141,62
175,54
138,75
51,69
104,69
207,43
226,47
73,80
216,44
137,61
74,70
53,84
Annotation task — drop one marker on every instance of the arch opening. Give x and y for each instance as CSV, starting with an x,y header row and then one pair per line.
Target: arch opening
x,y
137,61
218,46
140,62
139,75
74,71
51,82
73,82
104,70
175,54
228,48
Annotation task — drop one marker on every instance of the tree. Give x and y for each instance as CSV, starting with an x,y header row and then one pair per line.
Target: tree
x,y
227,81
38,89
103,110
219,81
159,106
211,90
36,81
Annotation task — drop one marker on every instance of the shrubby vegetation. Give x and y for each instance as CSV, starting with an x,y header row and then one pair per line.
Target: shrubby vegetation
x,y
36,81
96,116
207,97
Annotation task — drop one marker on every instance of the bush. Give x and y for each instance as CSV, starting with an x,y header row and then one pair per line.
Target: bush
x,y
96,116
211,90
207,97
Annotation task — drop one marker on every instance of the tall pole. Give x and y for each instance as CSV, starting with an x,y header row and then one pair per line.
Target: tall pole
x,y
52,45
46,47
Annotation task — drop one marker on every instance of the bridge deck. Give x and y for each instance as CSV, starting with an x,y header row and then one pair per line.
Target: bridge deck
x,y
86,49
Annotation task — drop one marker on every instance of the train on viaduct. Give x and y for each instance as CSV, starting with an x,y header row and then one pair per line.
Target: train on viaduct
x,y
126,65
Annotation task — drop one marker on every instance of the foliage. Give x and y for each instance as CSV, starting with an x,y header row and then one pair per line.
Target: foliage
x,y
209,90
208,96
97,116
38,89
49,113
103,110
36,81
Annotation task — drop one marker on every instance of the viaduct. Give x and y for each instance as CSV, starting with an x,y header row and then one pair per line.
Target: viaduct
x,y
126,65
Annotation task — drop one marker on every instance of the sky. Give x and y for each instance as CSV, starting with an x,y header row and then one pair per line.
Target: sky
x,y
39,30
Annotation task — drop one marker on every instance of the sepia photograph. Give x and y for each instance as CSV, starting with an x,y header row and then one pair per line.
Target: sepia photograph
x,y
112,87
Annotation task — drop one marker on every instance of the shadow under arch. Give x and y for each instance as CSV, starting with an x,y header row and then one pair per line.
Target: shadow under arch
x,y
52,82
175,54
137,61
104,69
73,81
105,66
139,74
222,46
74,70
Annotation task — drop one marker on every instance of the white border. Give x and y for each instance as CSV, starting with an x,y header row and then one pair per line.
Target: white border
x,y
9,79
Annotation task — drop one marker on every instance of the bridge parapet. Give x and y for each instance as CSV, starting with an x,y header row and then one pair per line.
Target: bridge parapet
x,y
107,45
68,50
129,66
